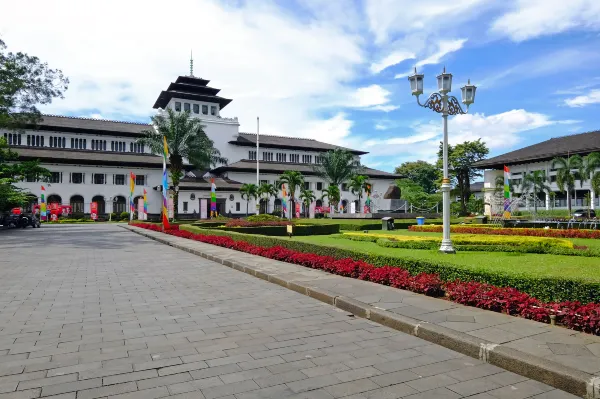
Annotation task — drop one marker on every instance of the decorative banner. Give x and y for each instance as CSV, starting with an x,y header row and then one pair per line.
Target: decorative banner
x,y
297,210
165,186
145,205
171,208
54,217
353,207
131,188
506,192
140,209
213,198
368,189
203,209
94,210
43,204
284,200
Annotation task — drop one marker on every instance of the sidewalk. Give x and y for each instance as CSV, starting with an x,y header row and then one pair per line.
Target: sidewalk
x,y
562,358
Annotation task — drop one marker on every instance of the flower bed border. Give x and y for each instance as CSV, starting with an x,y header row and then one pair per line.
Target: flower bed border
x,y
573,315
508,231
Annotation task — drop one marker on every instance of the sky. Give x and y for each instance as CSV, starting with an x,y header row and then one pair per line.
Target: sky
x,y
332,70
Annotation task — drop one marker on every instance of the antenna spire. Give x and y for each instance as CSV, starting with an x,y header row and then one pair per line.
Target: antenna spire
x,y
191,64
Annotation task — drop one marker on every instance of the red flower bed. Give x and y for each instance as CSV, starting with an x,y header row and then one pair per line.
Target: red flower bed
x,y
245,223
556,233
574,315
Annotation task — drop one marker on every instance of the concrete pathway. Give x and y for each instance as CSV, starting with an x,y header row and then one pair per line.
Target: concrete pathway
x,y
96,312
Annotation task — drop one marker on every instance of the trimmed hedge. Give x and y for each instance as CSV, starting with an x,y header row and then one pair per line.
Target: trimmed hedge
x,y
281,231
504,231
548,289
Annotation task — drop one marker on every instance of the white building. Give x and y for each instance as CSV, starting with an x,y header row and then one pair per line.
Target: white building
x,y
539,157
91,159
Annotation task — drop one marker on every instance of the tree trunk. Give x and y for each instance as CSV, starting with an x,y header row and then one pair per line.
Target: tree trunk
x,y
247,205
535,200
569,201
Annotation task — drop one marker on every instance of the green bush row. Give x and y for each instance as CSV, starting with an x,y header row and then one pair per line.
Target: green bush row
x,y
547,289
281,231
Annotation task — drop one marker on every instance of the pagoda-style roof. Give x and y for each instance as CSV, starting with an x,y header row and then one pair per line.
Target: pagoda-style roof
x,y
289,143
190,88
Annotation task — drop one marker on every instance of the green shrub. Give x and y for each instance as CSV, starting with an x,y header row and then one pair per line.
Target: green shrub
x,y
76,215
124,216
262,218
547,289
281,231
113,216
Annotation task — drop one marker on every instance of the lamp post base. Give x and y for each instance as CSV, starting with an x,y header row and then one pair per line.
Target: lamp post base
x,y
446,247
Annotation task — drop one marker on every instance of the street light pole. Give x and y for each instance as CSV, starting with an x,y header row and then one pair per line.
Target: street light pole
x,y
446,105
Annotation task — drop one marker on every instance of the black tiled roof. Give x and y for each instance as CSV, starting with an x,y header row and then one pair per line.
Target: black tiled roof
x,y
582,144
305,169
87,157
188,184
74,124
190,88
293,143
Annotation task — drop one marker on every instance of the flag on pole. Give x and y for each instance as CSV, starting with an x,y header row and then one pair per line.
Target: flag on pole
x,y
131,189
284,200
145,205
43,204
506,192
165,186
213,198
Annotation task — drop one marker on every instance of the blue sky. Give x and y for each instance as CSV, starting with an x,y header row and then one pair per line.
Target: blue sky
x,y
331,70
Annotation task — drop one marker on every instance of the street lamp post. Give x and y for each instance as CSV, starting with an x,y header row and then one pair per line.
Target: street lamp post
x,y
444,104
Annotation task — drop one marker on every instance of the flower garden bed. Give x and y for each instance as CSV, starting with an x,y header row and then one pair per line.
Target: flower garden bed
x,y
557,233
571,314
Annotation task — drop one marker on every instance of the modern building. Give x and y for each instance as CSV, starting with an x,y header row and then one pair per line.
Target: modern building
x,y
539,157
91,159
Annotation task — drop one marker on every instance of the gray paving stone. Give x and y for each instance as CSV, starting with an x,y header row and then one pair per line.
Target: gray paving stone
x,y
428,383
230,389
159,381
351,387
153,393
71,387
29,384
397,377
135,376
107,391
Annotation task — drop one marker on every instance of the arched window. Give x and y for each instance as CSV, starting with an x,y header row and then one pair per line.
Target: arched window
x,y
76,204
98,199
119,204
54,199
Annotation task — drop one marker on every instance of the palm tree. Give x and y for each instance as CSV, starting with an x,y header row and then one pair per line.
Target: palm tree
x,y
337,166
186,141
293,179
535,181
565,179
358,184
248,192
307,197
266,191
332,193
592,163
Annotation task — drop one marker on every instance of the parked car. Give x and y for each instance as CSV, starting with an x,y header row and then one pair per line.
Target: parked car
x,y
29,219
584,213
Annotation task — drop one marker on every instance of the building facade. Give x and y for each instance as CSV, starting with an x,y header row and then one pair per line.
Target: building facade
x,y
91,160
539,157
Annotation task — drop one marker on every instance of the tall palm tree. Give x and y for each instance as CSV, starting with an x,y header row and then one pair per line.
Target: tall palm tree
x,y
307,197
332,193
186,141
248,192
358,184
337,166
293,180
592,163
266,191
565,179
535,181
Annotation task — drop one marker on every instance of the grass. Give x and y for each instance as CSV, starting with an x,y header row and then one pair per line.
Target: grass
x,y
532,265
366,221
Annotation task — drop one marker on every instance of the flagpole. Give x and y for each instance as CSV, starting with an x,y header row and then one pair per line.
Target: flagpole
x,y
257,160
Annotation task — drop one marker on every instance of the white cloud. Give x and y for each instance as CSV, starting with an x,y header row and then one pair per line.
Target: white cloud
x,y
533,18
392,59
370,96
444,47
593,97
271,64
334,130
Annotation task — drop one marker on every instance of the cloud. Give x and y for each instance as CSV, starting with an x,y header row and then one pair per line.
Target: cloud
x,y
593,97
392,59
333,130
370,96
444,47
529,19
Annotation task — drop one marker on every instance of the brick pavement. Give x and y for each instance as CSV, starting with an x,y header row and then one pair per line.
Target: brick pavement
x,y
97,312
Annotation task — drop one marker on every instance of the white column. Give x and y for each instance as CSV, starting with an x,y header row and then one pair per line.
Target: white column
x,y
547,200
593,198
446,246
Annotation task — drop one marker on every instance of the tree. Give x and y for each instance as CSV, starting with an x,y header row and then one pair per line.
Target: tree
x,y
337,166
248,192
186,141
307,197
592,163
26,82
461,170
414,194
536,182
293,180
422,173
266,191
332,193
565,179
358,184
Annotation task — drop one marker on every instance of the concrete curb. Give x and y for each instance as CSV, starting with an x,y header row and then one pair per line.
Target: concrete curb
x,y
554,374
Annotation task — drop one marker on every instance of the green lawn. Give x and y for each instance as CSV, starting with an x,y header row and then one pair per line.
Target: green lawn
x,y
367,221
532,265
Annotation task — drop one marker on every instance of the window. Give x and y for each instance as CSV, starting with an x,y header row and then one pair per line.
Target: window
x,y
205,109
41,141
112,145
140,180
281,157
177,106
237,206
186,107
252,155
72,143
33,141
319,159
77,178
320,186
84,144
264,182
119,180
306,158
295,158
185,206
553,179
64,142
55,177
196,109
13,138
130,147
307,185
213,110
98,178
267,156
344,186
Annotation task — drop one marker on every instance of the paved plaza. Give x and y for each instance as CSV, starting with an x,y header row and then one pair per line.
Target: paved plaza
x,y
95,311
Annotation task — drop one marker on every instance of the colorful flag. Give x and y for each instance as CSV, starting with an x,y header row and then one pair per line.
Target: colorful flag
x,y
368,189
284,200
213,198
131,189
165,186
506,192
145,205
43,204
